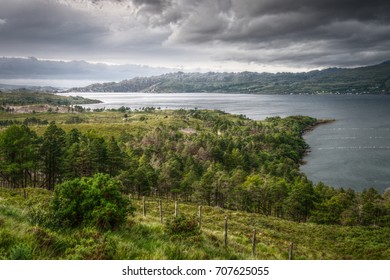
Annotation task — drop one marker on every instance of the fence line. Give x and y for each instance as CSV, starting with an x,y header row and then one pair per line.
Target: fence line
x,y
160,210
225,234
200,216
290,251
143,206
254,240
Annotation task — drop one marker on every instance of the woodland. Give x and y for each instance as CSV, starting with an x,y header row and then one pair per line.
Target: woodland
x,y
74,186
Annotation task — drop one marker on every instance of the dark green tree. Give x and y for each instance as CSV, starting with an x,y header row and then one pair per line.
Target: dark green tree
x,y
300,201
372,207
90,201
332,210
18,154
115,158
52,152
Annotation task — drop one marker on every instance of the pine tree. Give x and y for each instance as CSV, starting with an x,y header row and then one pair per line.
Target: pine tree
x,y
52,152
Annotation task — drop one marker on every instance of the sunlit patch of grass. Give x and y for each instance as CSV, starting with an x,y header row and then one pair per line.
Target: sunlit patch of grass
x,y
110,123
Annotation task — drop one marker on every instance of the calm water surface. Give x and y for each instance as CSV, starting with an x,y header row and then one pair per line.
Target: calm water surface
x,y
352,152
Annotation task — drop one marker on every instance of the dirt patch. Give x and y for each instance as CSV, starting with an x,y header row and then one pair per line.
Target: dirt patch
x,y
40,109
188,130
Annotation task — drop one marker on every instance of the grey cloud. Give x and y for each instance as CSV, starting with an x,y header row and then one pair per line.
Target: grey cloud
x,y
343,25
326,9
46,24
32,68
309,55
303,32
159,12
254,20
157,4
68,29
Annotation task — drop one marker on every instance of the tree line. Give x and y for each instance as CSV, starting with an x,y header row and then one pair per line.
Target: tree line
x,y
228,162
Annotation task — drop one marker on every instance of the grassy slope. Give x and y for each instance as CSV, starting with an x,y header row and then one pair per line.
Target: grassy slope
x,y
145,238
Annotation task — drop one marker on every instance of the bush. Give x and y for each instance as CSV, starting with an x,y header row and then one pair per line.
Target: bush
x,y
182,225
74,120
90,201
42,237
92,245
7,239
37,215
21,252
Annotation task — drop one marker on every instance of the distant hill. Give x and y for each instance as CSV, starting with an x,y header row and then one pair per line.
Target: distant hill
x,y
25,98
33,68
363,80
48,89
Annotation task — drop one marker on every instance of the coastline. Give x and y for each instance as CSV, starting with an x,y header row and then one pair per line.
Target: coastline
x,y
315,124
308,130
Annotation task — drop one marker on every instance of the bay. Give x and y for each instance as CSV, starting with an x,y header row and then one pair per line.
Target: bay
x,y
352,152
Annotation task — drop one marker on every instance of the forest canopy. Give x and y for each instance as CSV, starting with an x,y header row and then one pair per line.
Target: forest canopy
x,y
207,157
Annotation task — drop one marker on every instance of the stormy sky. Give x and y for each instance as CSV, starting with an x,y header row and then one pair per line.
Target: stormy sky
x,y
199,35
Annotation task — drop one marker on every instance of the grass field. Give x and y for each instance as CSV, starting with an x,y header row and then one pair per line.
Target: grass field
x,y
146,238
108,123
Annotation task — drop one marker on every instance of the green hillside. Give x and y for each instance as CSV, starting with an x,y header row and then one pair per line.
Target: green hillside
x,y
363,80
65,181
20,98
145,238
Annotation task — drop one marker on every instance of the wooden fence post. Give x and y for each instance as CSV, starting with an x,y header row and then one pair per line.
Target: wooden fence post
x,y
160,209
176,208
25,193
200,216
225,233
290,251
254,242
143,206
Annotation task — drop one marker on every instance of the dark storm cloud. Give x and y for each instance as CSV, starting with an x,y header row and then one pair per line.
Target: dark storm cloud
x,y
157,4
348,28
309,19
159,12
301,33
46,25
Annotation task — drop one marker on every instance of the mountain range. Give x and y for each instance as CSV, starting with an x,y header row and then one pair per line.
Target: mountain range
x,y
31,68
374,79
7,88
